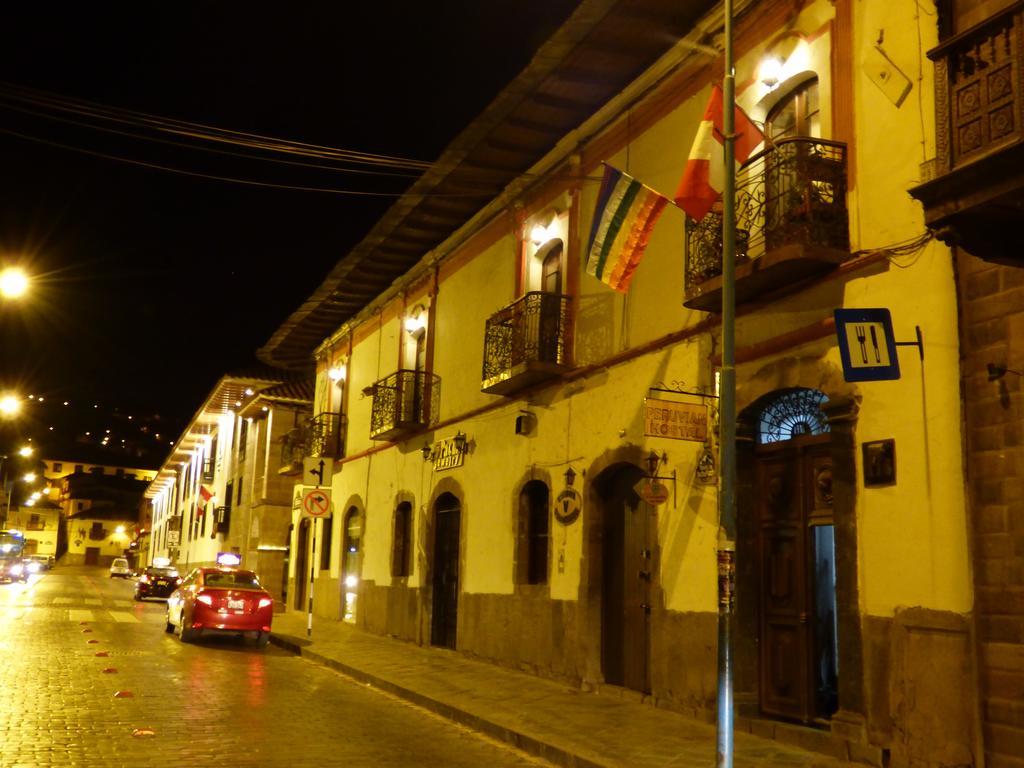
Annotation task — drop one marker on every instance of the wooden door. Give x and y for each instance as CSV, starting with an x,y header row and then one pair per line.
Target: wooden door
x,y
786,503
627,571
444,616
92,555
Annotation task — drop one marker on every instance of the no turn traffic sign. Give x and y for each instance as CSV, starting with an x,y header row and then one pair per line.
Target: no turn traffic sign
x,y
316,502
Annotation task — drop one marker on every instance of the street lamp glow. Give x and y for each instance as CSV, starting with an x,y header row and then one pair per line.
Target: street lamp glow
x,y
25,450
9,405
13,283
30,477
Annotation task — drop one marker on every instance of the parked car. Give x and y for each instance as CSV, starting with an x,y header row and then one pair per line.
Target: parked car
x,y
156,582
44,562
218,600
120,568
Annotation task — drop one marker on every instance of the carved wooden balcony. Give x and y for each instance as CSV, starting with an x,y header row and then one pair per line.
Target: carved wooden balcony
x,y
975,195
791,221
404,403
525,343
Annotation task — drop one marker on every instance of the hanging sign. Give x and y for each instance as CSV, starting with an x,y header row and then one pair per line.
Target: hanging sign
x,y
653,492
675,420
866,344
568,506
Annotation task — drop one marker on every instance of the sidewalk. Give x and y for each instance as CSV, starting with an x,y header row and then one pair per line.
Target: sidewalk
x,y
542,717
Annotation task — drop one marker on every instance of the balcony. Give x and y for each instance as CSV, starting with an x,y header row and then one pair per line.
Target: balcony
x,y
404,403
975,192
325,435
791,221
293,450
525,343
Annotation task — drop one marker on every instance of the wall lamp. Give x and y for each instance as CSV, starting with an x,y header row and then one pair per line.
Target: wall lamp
x,y
996,372
428,451
461,441
654,461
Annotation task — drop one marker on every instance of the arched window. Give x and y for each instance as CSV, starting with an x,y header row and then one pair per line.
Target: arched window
x,y
797,114
401,545
793,413
534,533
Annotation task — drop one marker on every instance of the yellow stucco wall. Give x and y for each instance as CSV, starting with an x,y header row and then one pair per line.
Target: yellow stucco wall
x,y
912,542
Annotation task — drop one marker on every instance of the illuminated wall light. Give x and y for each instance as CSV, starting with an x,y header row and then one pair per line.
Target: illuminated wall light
x,y
416,322
539,234
770,71
338,372
248,391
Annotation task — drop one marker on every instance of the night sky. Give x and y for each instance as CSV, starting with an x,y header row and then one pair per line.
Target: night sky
x,y
151,284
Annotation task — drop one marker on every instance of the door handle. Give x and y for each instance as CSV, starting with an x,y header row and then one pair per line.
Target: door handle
x,y
645,608
645,575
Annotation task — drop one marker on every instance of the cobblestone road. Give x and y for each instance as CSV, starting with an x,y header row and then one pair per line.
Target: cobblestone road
x,y
89,678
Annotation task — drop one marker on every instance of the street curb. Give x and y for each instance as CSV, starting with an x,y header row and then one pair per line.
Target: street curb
x,y
529,744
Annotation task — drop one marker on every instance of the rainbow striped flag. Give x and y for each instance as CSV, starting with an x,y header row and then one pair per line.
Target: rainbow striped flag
x,y
623,219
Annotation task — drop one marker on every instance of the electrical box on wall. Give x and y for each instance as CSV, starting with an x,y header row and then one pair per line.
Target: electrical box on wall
x,y
886,75
525,423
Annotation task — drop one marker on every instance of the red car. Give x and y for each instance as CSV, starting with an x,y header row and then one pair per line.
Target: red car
x,y
219,600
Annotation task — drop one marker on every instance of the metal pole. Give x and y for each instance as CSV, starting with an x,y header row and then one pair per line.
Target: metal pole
x,y
727,415
312,571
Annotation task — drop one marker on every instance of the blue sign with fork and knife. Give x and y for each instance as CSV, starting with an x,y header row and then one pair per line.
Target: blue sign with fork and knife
x,y
867,344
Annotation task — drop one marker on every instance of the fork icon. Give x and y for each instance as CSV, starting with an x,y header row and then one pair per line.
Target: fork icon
x,y
861,338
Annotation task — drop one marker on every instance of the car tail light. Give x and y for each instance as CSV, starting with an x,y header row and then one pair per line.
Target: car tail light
x,y
265,601
202,597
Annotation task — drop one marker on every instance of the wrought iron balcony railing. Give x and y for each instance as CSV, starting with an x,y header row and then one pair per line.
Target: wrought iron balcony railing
x,y
790,209
325,435
403,403
525,342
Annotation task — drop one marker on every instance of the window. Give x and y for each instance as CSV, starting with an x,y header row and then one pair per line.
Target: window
x,y
793,413
238,498
243,436
95,470
798,114
81,506
57,466
325,546
534,516
96,532
79,468
401,544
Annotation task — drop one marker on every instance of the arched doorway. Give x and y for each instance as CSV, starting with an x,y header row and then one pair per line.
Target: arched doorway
x,y
628,538
794,543
351,545
445,572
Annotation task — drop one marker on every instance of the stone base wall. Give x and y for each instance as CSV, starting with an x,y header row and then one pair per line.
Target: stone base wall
x,y
391,610
684,662
920,686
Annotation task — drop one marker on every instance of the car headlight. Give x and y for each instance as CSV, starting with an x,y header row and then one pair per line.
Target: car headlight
x,y
33,567
17,568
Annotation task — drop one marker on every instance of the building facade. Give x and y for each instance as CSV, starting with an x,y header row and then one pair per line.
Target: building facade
x,y
528,469
226,485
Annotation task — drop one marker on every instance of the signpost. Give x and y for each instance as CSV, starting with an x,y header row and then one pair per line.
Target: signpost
x,y
867,344
318,469
314,503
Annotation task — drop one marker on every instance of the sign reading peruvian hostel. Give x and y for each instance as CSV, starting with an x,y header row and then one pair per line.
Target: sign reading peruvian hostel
x,y
678,421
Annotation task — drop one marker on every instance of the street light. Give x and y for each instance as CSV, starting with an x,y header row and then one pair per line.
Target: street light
x,y
13,283
9,405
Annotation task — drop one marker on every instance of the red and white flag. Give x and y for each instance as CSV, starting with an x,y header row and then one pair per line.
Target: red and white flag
x,y
704,177
205,494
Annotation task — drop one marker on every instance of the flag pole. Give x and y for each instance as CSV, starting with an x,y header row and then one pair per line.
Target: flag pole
x,y
727,416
